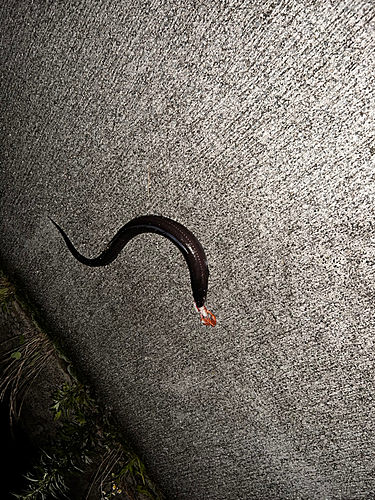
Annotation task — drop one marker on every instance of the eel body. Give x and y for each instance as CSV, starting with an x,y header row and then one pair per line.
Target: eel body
x,y
178,234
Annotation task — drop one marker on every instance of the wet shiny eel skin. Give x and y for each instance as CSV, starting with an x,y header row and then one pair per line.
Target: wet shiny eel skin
x,y
178,234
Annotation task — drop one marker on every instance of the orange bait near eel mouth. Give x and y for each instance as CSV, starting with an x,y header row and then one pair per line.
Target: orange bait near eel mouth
x,y
178,234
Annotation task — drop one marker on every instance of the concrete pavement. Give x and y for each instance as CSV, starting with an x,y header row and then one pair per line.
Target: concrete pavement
x,y
253,125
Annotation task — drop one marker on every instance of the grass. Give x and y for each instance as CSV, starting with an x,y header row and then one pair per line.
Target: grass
x,y
86,433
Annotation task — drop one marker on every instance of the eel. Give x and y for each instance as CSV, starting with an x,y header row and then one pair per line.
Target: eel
x,y
178,234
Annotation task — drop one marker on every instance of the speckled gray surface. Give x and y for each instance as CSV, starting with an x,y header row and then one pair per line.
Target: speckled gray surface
x,y
253,125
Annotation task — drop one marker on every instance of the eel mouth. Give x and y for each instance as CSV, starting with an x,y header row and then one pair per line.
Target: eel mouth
x,y
207,317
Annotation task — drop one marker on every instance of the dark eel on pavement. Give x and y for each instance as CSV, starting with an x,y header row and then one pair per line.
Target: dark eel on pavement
x,y
178,234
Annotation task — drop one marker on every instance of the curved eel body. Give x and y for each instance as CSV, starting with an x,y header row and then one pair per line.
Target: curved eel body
x,y
178,234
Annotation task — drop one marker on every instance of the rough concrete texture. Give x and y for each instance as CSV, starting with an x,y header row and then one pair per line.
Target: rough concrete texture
x,y
252,123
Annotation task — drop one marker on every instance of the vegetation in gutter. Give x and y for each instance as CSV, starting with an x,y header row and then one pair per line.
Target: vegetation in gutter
x,y
86,433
